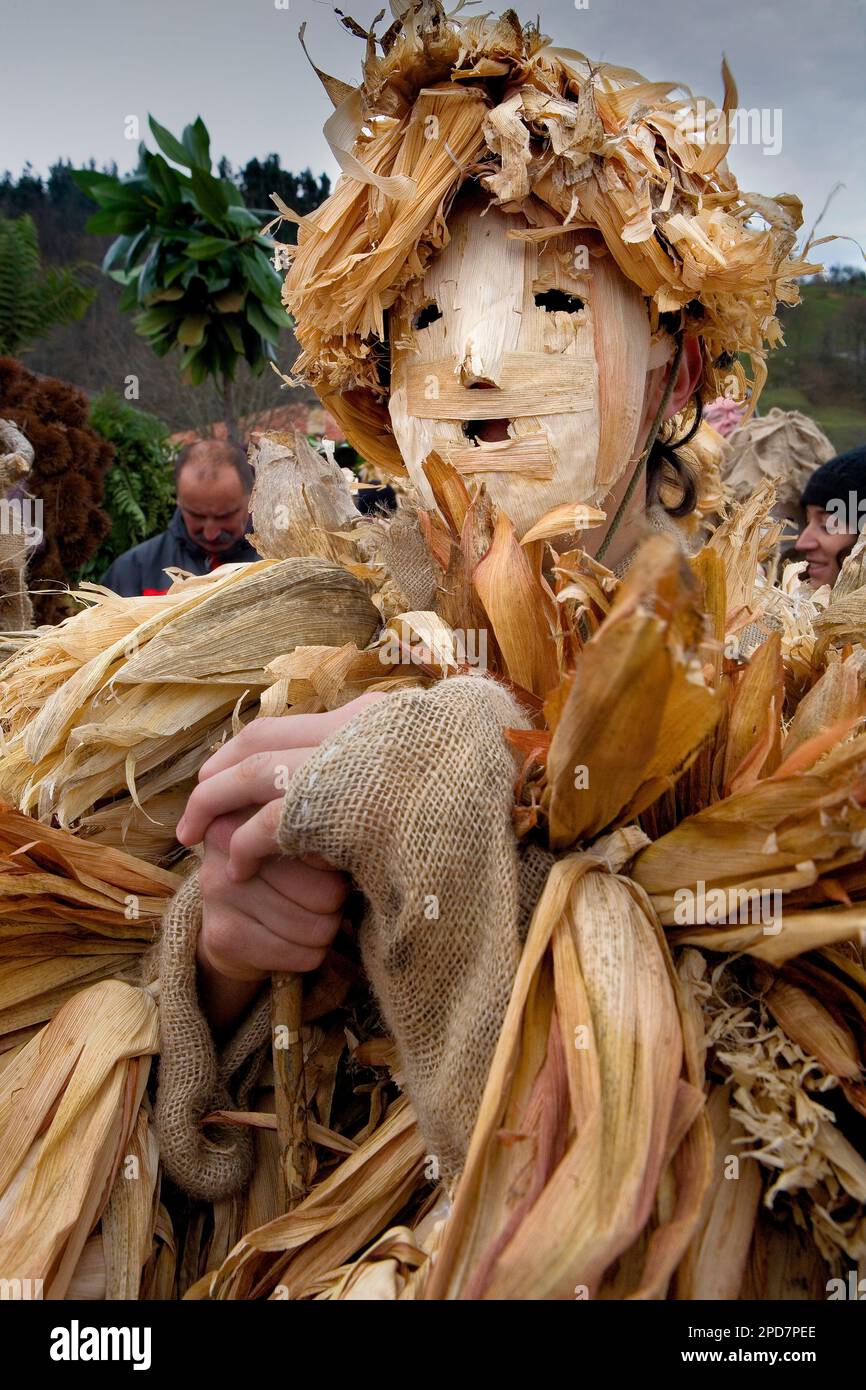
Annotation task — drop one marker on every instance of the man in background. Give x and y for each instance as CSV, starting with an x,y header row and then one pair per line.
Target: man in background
x,y
213,482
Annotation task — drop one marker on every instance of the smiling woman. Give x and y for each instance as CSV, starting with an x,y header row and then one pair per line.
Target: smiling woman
x,y
835,502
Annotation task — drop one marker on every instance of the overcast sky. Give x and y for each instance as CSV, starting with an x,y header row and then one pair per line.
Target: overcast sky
x,y
74,70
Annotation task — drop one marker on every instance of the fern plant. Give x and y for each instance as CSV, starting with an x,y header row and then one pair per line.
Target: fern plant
x,y
139,486
33,298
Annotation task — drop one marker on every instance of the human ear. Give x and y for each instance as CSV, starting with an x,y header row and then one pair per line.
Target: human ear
x,y
688,378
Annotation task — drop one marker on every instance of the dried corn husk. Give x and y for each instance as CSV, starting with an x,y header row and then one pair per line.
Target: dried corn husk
x,y
71,913
341,1213
301,502
141,713
68,1104
569,1106
714,1266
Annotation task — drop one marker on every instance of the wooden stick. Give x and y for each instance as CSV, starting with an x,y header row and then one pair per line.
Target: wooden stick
x,y
296,1151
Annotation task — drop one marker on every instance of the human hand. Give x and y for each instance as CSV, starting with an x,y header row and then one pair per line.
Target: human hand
x,y
254,769
282,919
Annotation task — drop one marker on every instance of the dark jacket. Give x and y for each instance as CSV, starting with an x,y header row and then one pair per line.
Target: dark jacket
x,y
141,570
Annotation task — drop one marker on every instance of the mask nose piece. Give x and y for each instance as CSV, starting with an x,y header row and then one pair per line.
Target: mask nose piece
x,y
474,373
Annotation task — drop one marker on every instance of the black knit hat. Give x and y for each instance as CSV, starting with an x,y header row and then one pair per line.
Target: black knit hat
x,y
836,479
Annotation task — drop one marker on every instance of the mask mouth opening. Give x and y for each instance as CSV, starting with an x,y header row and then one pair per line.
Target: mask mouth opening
x,y
486,431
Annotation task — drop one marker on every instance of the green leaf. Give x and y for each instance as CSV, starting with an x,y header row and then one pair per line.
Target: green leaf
x,y
138,246
117,251
165,180
114,222
206,247
257,319
126,249
129,299
195,369
153,320
277,315
149,278
196,141
124,193
88,180
175,271
169,144
192,330
261,274
162,345
233,333
209,196
242,217
215,283
229,301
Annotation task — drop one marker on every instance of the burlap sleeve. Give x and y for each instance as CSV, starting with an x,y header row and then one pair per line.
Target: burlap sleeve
x,y
413,799
195,1077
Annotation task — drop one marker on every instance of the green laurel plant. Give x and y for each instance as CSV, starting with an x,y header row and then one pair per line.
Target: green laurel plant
x,y
196,270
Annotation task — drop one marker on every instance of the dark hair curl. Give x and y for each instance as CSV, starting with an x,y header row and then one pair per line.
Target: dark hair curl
x,y
665,467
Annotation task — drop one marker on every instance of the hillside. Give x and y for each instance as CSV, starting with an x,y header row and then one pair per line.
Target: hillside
x,y
821,370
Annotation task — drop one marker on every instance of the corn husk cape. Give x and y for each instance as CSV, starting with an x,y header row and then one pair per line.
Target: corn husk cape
x,y
571,145
675,1105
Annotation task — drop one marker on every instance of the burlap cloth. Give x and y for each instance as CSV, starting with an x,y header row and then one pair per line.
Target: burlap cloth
x,y
194,1076
783,444
412,798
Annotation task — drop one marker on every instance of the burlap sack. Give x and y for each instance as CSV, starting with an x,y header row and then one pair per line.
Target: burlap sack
x,y
412,798
783,444
194,1077
399,545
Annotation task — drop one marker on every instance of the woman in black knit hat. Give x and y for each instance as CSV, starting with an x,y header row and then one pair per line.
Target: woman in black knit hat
x,y
835,503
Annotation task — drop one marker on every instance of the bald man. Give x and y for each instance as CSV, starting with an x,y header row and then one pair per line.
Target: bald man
x,y
213,482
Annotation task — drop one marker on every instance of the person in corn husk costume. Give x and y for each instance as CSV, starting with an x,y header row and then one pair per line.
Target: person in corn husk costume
x,y
618,1085
524,278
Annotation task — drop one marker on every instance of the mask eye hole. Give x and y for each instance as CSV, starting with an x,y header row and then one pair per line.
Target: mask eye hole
x,y
429,314
558,302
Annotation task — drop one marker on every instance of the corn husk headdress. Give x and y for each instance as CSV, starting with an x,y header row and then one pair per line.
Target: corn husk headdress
x,y
568,143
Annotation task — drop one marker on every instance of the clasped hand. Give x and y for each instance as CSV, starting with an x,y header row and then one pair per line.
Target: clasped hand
x,y
262,910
